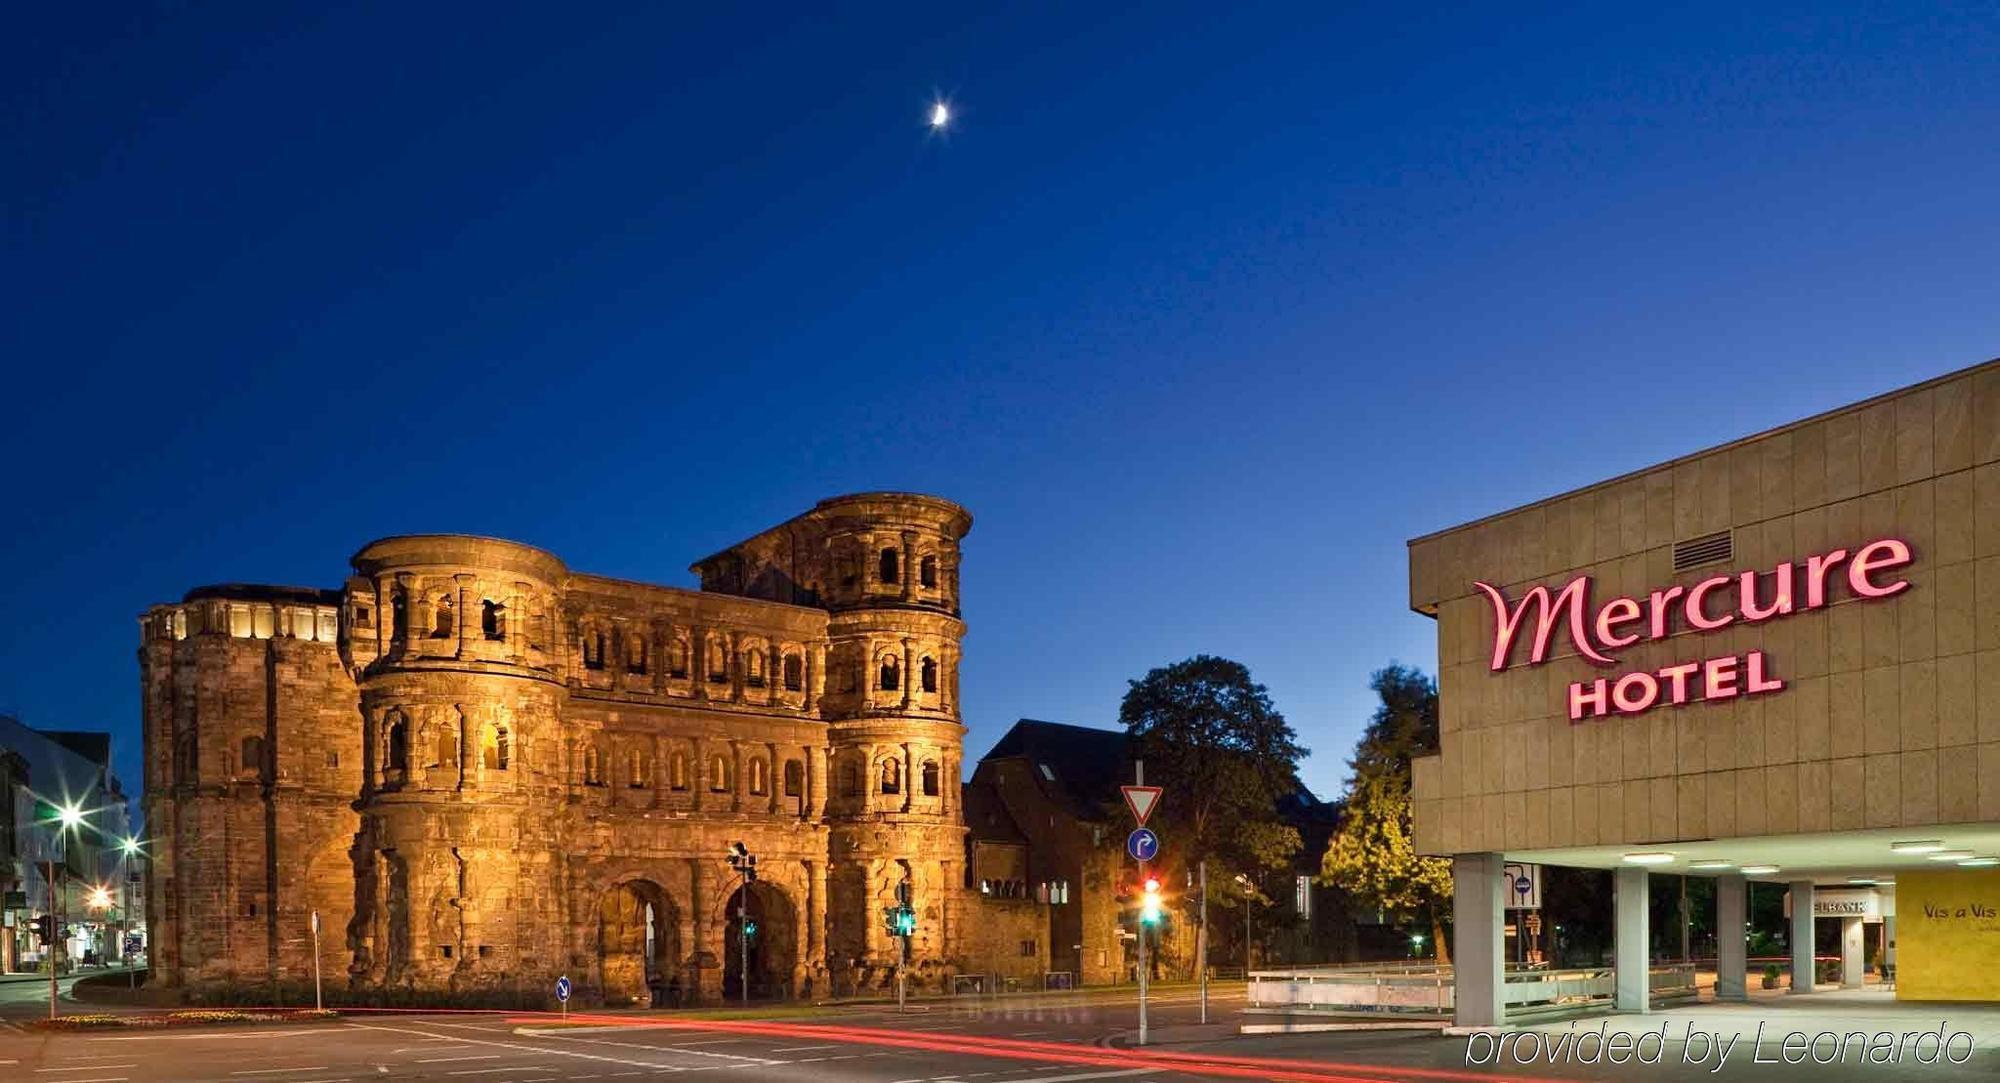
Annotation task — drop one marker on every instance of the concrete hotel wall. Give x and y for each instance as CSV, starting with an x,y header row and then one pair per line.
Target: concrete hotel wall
x,y
1948,935
1892,711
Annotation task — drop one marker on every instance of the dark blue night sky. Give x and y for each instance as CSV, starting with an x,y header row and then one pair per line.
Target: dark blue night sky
x,y
1203,310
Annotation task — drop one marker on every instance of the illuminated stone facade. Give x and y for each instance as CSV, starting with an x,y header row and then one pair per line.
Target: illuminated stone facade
x,y
483,770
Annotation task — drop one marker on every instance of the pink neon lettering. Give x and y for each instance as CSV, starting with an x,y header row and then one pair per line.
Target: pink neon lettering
x,y
1662,599
1507,624
1718,675
1878,556
1677,680
1697,615
1779,606
1617,611
1582,696
1755,682
1817,569
1649,692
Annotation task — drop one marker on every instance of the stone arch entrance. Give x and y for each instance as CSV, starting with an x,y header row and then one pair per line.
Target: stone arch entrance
x,y
638,945
773,946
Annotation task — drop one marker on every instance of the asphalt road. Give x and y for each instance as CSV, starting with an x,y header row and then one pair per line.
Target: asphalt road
x,y
1028,1040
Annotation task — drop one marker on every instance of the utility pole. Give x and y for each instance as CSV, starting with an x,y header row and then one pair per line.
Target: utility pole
x,y
319,1002
745,864
1202,962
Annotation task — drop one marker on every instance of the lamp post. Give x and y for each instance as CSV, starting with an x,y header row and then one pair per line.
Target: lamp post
x,y
128,848
745,864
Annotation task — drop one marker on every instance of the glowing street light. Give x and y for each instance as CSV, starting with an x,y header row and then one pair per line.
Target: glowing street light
x,y
100,898
70,815
129,846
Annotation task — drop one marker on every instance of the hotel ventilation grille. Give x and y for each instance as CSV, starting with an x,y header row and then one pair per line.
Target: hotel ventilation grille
x,y
1707,549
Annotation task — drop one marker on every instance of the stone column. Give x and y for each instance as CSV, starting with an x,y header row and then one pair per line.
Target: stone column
x,y
1803,970
615,651
909,566
698,773
1731,966
465,620
418,615
514,623
736,790
947,890
774,674
909,671
1477,909
1631,960
734,645
698,647
774,776
815,783
816,913
385,614
815,675
1850,952
706,982
909,777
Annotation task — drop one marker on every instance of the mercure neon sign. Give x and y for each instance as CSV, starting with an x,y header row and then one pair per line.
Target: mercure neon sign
x,y
1750,597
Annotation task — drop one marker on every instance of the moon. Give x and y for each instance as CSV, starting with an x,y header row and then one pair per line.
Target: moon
x,y
940,115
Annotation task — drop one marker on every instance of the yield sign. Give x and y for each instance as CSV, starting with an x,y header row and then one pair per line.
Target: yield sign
x,y
1141,799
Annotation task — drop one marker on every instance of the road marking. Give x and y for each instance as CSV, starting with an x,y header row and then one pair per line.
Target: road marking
x,y
538,1049
803,1048
447,1060
523,1068
87,1067
280,1071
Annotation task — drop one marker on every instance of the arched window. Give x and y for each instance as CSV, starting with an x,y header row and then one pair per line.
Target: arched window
x,y
677,772
892,776
447,747
927,571
493,751
593,648
759,783
680,666
889,680
184,759
795,673
886,566
930,675
718,661
252,763
636,770
753,667
593,766
399,741
795,778
635,654
443,627
399,616
850,779
931,779
493,620
718,774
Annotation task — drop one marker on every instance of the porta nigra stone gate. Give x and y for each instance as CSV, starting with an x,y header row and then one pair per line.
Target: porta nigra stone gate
x,y
484,770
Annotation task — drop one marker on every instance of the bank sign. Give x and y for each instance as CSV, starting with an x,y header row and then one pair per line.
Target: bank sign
x,y
1750,597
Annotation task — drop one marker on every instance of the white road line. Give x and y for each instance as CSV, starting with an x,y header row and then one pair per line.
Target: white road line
x,y
803,1048
280,1071
88,1067
679,1048
447,1060
522,1068
539,1049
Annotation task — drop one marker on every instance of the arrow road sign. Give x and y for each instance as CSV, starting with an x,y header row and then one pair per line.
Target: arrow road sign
x,y
562,988
1141,800
1142,844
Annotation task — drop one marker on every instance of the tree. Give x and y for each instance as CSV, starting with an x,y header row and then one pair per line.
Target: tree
x,y
1371,856
1208,731
1211,735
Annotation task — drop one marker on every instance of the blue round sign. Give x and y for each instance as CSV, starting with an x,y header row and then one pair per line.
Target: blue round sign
x,y
562,988
1142,844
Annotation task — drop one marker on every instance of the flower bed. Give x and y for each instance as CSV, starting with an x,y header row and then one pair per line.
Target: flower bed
x,y
193,1018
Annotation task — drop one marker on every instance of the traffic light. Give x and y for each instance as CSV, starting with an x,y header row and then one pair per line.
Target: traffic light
x,y
899,920
1149,902
750,930
44,927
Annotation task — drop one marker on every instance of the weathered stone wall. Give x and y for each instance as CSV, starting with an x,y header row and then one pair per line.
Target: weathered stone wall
x,y
549,767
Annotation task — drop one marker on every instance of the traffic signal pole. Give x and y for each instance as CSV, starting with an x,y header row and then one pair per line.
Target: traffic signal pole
x,y
55,933
1139,779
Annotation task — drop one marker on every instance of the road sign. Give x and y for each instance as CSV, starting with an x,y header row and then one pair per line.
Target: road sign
x,y
1141,800
1521,881
1142,844
562,988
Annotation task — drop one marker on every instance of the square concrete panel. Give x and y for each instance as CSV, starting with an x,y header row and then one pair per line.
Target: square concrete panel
x,y
1951,425
1882,790
1958,785
1919,787
1846,780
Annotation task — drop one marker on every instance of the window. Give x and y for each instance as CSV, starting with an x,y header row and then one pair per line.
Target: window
x,y
718,774
593,766
850,779
593,649
1027,948
844,571
930,675
184,759
892,776
718,662
637,770
447,748
889,680
795,673
635,654
399,741
442,629
493,620
1302,897
886,566
1046,773
759,784
679,669
493,749
795,778
753,667
399,616
930,779
444,950
927,572
363,618
252,764
333,759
